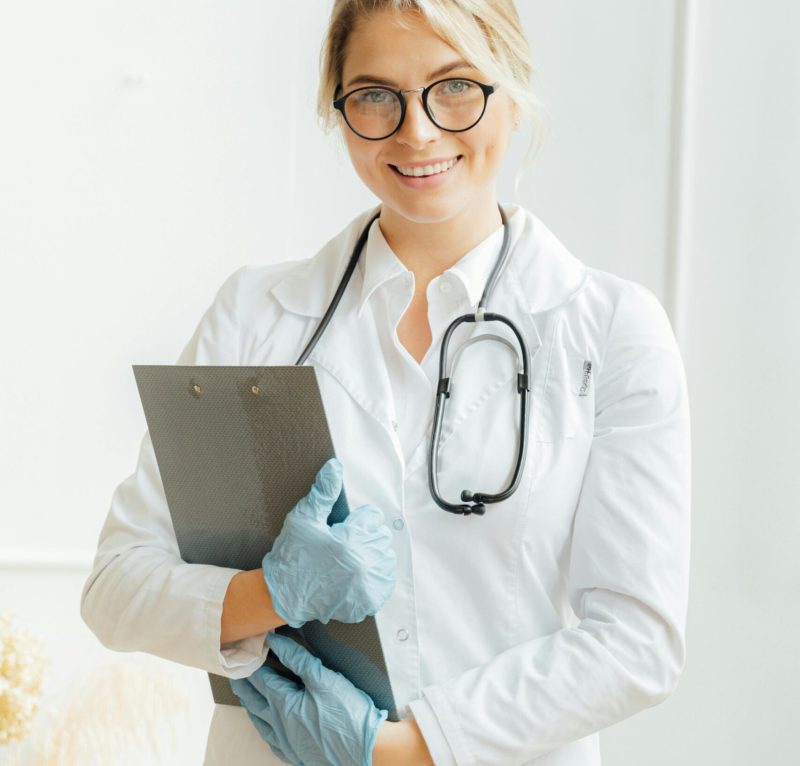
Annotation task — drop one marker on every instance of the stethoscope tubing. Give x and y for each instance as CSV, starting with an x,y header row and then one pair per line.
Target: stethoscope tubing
x,y
475,502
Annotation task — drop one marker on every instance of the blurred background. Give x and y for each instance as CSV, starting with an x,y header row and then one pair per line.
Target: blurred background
x,y
149,149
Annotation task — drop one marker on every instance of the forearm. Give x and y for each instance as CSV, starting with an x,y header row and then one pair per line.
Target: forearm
x,y
400,744
247,608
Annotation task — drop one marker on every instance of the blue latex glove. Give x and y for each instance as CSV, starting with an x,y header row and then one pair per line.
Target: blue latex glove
x,y
341,572
326,721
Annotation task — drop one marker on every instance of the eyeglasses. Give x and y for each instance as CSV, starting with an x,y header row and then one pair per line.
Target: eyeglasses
x,y
375,113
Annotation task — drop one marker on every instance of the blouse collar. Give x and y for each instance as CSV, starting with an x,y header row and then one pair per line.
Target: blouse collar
x,y
379,263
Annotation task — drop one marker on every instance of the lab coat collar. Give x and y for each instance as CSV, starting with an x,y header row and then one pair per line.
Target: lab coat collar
x,y
544,273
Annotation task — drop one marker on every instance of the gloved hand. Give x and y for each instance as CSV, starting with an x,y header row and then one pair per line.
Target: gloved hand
x,y
328,720
341,572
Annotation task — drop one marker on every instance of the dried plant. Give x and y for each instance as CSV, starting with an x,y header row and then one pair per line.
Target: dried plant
x,y
23,666
122,713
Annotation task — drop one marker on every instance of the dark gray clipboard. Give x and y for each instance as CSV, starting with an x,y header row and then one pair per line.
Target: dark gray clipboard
x,y
236,448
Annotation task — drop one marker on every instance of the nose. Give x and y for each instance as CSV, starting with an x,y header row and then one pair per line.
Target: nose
x,y
417,127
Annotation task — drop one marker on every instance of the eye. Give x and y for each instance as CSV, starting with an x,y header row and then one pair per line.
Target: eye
x,y
457,87
375,96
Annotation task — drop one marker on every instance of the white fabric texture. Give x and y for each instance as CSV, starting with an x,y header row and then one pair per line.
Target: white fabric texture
x,y
514,637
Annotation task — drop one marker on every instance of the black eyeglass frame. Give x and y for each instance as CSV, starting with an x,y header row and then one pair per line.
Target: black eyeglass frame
x,y
487,91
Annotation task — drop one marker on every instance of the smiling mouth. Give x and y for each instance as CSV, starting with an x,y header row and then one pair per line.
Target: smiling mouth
x,y
427,175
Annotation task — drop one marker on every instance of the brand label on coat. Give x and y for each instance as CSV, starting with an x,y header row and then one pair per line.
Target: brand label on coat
x,y
587,373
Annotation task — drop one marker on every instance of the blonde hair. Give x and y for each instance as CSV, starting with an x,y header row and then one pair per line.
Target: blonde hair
x,y
487,33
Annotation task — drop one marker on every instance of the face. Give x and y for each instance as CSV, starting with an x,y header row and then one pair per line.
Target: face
x,y
405,58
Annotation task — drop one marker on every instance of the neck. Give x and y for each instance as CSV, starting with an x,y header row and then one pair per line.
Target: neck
x,y
428,249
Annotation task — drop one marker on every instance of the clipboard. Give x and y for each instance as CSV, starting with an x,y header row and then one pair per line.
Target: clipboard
x,y
236,448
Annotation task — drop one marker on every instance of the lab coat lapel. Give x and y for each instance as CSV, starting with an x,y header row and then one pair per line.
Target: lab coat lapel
x,y
349,349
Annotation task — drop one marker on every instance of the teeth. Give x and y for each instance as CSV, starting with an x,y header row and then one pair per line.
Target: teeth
x,y
428,170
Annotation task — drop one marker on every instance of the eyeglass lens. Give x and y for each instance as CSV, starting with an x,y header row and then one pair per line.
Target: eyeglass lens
x,y
454,104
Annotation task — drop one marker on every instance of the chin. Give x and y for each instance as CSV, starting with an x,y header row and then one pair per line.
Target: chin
x,y
423,212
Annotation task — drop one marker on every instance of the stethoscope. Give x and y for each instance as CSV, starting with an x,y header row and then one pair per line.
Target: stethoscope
x,y
473,502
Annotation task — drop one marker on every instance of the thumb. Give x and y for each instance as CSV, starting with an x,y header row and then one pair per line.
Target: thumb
x,y
297,658
325,490
368,518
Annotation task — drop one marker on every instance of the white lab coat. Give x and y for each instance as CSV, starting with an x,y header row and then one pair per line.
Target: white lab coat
x,y
515,637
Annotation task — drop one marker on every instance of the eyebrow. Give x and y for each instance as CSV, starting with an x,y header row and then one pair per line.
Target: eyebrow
x,y
368,78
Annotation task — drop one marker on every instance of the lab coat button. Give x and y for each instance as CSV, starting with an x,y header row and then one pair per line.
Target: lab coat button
x,y
394,424
398,524
444,287
402,634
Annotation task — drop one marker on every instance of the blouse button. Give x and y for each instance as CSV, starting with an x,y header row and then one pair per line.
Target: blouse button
x,y
402,634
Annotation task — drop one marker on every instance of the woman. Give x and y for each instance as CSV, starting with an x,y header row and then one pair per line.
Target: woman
x,y
514,632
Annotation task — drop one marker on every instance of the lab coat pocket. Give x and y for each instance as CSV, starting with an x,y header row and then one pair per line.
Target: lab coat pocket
x,y
567,397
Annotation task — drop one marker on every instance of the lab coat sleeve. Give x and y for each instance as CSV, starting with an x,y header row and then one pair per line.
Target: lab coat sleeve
x,y
628,569
140,595
432,732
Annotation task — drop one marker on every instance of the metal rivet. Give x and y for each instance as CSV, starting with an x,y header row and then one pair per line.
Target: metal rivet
x,y
196,388
254,389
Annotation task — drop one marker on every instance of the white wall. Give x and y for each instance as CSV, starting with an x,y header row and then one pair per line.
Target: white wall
x,y
743,352
143,157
